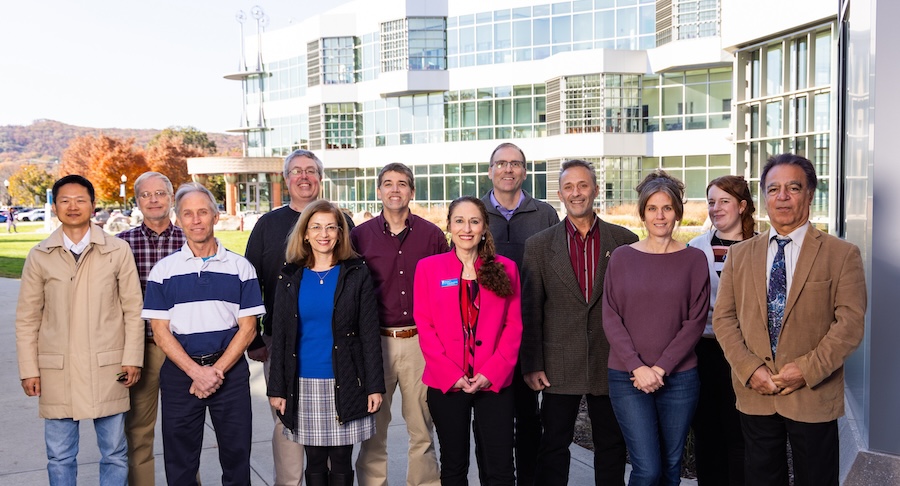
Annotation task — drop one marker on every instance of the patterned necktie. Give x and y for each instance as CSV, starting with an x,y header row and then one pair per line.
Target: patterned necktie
x,y
777,294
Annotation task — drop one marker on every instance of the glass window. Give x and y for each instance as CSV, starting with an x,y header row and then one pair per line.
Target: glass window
x,y
562,29
626,22
695,184
541,10
823,58
502,36
799,63
605,24
822,112
483,37
774,76
582,27
541,31
522,33
521,13
501,14
466,40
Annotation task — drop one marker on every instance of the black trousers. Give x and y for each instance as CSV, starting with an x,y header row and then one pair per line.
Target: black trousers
x,y
718,440
452,414
558,415
814,447
183,418
528,432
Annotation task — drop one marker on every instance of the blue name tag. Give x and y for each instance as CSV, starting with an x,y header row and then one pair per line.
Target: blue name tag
x,y
451,282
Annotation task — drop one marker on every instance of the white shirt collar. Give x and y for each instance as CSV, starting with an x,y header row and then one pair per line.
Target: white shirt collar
x,y
81,245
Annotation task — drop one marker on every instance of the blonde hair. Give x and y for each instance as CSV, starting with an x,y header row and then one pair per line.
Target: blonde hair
x,y
299,251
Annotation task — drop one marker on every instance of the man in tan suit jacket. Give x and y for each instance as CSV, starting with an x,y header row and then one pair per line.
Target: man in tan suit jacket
x,y
789,380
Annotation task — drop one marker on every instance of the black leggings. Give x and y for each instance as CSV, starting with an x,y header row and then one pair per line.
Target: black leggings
x,y
317,459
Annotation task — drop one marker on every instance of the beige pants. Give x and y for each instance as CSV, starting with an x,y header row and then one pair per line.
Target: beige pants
x,y
403,366
287,454
140,421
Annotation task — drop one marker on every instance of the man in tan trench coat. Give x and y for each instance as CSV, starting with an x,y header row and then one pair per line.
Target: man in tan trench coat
x,y
79,334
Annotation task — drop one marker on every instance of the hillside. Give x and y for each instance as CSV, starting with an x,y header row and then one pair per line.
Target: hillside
x,y
45,140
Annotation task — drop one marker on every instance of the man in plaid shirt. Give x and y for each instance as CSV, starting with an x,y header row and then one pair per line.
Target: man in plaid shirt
x,y
150,242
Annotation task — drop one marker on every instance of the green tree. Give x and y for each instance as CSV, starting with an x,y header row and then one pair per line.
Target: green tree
x,y
28,185
189,136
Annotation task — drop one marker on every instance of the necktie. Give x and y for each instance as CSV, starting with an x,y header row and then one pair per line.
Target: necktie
x,y
777,294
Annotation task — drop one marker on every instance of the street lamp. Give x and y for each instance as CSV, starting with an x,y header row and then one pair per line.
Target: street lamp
x,y
122,193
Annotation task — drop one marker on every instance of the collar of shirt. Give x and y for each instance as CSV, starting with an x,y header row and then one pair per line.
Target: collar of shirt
x,y
387,227
507,213
791,251
149,233
220,255
77,247
573,231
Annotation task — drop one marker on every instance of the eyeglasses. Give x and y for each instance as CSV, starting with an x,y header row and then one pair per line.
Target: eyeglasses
x,y
309,172
514,164
159,194
330,229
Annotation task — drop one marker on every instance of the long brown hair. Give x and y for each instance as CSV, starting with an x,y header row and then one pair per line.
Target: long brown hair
x,y
739,189
492,274
298,249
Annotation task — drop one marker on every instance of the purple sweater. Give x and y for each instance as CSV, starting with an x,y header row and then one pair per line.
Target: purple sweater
x,y
654,308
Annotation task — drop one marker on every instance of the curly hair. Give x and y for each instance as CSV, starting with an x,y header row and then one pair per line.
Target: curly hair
x,y
492,274
739,189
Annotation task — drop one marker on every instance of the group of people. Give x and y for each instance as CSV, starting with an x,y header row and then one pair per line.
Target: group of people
x,y
513,323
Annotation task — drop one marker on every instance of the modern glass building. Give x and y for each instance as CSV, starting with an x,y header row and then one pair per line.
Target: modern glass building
x,y
700,88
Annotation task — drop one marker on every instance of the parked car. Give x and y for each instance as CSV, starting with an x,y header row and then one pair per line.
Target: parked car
x,y
33,215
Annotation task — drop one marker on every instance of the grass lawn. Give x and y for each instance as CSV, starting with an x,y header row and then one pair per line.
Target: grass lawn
x,y
14,248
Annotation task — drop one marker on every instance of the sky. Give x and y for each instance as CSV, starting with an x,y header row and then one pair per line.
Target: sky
x,y
129,63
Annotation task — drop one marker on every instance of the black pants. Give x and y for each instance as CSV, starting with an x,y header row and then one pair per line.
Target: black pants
x,y
558,415
528,432
318,457
183,417
814,447
452,414
718,440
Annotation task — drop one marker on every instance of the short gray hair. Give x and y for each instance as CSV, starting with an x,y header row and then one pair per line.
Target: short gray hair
x,y
190,188
320,167
578,163
149,175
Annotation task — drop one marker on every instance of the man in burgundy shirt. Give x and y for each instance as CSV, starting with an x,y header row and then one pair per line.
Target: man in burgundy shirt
x,y
150,242
564,351
392,244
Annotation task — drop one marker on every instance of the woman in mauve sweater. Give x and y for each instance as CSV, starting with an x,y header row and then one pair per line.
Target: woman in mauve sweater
x,y
655,303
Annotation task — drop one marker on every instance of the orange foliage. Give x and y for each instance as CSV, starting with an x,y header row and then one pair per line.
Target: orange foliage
x,y
169,156
103,160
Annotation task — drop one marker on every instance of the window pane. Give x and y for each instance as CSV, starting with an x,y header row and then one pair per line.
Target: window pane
x,y
541,29
626,22
823,58
562,29
502,36
582,27
522,33
605,24
774,77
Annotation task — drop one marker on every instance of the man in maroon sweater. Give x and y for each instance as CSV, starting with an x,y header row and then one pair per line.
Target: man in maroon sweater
x,y
392,244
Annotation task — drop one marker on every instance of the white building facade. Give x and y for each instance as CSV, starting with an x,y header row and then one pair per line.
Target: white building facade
x,y
700,88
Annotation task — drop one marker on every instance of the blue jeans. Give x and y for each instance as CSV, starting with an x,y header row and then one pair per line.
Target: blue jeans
x,y
655,425
61,437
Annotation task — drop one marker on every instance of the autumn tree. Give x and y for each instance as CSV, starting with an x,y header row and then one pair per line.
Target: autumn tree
x,y
104,160
189,136
169,156
28,185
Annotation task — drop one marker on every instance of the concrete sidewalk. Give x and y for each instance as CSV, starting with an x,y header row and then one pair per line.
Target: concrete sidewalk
x,y
23,458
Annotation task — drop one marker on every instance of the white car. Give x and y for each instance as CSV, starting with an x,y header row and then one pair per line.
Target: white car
x,y
33,215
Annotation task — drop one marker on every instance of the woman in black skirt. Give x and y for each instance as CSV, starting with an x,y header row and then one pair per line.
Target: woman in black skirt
x,y
326,378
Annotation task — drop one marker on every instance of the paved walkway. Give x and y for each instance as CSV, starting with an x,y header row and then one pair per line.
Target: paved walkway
x,y
23,458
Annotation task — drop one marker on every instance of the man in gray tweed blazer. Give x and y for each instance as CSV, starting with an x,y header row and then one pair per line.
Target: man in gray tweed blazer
x,y
564,350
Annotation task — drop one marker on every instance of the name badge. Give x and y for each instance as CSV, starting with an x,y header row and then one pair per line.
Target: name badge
x,y
450,282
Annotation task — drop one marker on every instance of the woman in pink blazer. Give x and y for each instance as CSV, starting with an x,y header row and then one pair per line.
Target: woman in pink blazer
x,y
468,312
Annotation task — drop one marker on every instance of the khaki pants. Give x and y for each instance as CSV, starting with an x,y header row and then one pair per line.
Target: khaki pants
x,y
403,366
140,421
287,454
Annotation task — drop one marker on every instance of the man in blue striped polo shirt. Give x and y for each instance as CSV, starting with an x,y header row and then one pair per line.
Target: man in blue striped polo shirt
x,y
202,302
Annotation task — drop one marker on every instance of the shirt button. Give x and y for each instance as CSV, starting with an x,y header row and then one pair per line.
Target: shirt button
x,y
401,272
400,252
404,313
402,292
